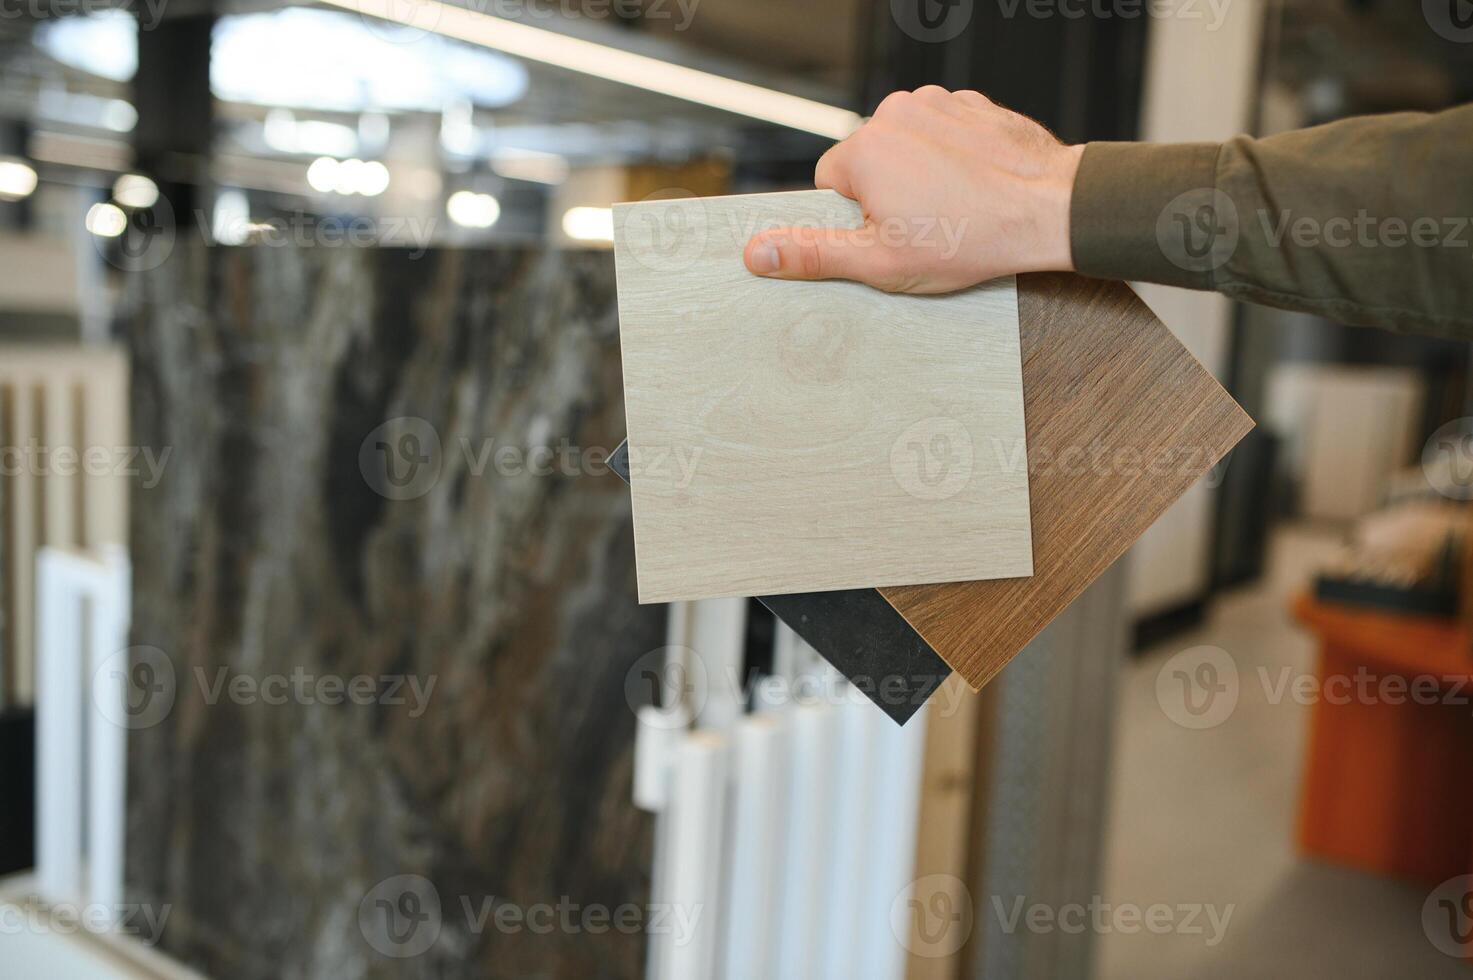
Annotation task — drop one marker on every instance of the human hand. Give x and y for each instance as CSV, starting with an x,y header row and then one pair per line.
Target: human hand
x,y
955,191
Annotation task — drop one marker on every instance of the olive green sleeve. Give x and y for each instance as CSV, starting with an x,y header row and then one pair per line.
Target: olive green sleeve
x,y
1367,220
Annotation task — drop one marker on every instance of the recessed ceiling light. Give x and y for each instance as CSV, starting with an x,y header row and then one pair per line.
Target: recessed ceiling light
x,y
17,180
471,210
322,175
589,224
135,191
373,179
106,220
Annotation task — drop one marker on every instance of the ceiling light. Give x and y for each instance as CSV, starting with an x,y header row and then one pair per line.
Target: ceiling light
x,y
614,64
230,224
373,179
458,133
322,175
285,133
104,43
275,58
472,210
589,224
135,191
350,172
119,115
351,176
106,220
17,180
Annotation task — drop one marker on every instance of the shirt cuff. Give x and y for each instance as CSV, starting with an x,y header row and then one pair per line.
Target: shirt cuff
x,y
1136,212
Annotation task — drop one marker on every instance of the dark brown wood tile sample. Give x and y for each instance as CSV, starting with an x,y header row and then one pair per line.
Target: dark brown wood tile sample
x,y
1121,421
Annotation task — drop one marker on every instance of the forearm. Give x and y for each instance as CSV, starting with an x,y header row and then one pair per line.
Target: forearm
x,y
1365,221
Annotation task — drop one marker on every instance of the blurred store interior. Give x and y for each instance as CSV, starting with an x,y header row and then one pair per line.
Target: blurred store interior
x,y
236,238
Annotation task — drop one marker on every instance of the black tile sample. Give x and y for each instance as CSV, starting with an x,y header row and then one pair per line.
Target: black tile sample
x,y
858,632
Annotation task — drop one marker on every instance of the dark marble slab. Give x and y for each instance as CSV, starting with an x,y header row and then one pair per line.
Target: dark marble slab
x,y
858,632
299,528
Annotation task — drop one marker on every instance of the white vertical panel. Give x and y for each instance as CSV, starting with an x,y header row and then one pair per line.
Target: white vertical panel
x,y
107,756
759,810
697,823
858,785
1201,71
785,652
656,951
718,636
809,847
1171,562
896,811
1360,432
81,745
59,748
772,695
678,624
1201,81
659,732
714,630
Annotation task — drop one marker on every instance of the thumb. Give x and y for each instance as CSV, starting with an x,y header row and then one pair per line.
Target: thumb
x,y
820,253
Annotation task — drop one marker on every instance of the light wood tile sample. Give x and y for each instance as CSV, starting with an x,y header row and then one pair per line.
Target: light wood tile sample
x,y
803,437
858,632
1121,421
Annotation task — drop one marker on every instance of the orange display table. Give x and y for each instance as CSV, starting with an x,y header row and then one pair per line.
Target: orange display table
x,y
1388,781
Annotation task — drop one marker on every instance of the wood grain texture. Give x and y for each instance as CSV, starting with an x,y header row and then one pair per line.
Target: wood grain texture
x,y
858,632
1121,421
803,437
